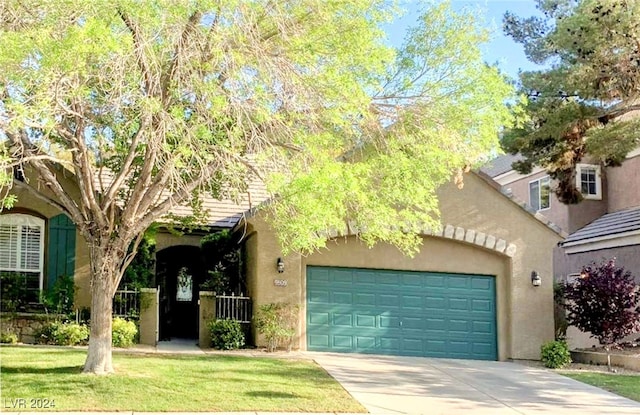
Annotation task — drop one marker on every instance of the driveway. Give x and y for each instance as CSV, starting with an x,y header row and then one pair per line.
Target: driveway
x,y
411,385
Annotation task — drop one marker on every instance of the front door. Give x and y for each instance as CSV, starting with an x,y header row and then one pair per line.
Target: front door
x,y
179,272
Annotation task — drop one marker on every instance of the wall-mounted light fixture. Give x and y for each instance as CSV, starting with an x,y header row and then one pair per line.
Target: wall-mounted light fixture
x,y
280,265
535,279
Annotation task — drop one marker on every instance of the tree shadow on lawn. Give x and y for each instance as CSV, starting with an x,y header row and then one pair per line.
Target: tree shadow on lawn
x,y
30,370
272,394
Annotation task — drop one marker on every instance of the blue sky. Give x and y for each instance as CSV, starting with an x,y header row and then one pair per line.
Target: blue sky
x,y
508,54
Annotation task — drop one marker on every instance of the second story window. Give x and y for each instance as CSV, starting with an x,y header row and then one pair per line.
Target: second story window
x,y
539,191
588,181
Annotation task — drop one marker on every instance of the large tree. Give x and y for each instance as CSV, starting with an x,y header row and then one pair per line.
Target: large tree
x,y
153,103
585,100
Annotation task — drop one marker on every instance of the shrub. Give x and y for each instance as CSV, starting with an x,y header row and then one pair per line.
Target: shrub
x,y
63,334
60,298
277,322
123,332
226,334
605,301
555,354
8,337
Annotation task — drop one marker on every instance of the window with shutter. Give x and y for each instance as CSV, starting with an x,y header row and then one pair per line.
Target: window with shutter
x,y
22,249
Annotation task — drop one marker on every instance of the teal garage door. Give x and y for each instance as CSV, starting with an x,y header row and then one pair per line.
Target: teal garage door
x,y
401,313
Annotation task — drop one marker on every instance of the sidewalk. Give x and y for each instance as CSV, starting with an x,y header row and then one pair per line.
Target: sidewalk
x,y
189,346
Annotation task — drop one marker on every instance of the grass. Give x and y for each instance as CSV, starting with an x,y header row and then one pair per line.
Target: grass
x,y
168,383
624,385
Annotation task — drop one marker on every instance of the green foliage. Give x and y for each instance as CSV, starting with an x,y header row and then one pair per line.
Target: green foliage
x,y
63,334
226,334
60,298
158,105
277,322
604,301
220,251
8,337
124,333
581,104
13,291
141,272
555,354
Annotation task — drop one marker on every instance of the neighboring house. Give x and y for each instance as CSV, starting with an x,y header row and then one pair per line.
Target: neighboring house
x,y
604,225
468,293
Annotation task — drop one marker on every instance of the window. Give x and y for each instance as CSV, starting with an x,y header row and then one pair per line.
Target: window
x,y
22,250
539,191
588,181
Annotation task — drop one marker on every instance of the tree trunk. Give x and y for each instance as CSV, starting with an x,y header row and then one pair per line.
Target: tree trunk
x,y
104,266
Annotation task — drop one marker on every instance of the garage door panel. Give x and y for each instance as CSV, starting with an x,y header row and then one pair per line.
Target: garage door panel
x,y
365,320
319,318
345,320
318,341
389,344
341,297
364,299
318,296
389,322
401,313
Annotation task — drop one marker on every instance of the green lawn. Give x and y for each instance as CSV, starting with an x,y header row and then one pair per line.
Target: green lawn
x,y
624,385
168,383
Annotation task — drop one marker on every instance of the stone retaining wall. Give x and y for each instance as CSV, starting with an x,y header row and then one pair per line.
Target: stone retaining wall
x,y
25,325
622,360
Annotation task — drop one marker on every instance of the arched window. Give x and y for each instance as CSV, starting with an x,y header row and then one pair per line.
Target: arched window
x,y
22,250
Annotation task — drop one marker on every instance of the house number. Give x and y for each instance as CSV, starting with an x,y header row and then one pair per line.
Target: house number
x,y
280,283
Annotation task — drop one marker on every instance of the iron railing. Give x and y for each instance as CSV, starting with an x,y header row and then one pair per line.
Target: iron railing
x,y
233,307
126,303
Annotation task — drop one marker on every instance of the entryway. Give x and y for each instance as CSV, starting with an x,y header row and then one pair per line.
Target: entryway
x,y
179,273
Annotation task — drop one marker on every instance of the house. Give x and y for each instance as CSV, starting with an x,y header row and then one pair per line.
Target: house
x,y
39,242
467,294
480,288
604,225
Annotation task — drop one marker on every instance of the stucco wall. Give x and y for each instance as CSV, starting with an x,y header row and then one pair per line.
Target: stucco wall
x,y
556,213
624,185
525,313
165,239
627,257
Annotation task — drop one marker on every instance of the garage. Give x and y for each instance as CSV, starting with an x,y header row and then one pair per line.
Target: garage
x,y
357,310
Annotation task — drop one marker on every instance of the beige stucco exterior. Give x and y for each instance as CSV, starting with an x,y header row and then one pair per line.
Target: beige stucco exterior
x,y
483,233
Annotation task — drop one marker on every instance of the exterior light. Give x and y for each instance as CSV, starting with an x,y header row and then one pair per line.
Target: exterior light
x,y
535,279
280,265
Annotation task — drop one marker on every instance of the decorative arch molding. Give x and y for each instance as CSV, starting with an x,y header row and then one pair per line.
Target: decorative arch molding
x,y
456,233
482,239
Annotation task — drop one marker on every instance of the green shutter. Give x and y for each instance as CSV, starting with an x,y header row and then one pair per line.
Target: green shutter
x,y
61,252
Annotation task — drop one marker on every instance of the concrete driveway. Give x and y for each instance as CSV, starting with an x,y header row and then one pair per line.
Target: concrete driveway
x,y
410,385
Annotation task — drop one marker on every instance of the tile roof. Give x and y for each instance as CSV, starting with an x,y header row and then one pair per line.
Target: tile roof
x,y
610,224
218,213
500,165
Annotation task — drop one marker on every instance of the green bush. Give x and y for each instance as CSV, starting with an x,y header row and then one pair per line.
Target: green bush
x,y
60,298
123,332
8,337
277,323
63,334
556,354
226,334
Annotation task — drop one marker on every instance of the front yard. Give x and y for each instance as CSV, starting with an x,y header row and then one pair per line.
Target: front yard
x,y
623,385
39,375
